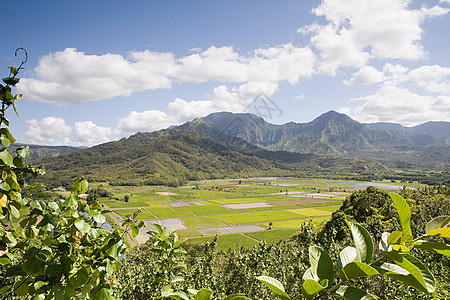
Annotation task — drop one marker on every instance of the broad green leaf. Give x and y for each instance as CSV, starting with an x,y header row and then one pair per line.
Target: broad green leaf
x,y
418,275
23,151
4,260
80,186
321,263
403,211
11,80
363,242
384,245
82,225
100,292
168,292
441,232
346,256
80,277
440,248
310,274
203,294
3,200
352,293
356,269
177,279
38,284
275,286
6,158
71,201
394,237
310,288
439,222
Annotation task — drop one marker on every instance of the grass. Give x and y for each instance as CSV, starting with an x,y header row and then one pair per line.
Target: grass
x,y
202,222
121,204
331,208
228,241
288,224
310,212
190,232
270,236
256,217
166,212
202,209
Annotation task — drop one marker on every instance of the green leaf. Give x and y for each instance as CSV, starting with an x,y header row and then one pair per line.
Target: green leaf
x,y
439,222
416,275
177,279
310,288
80,186
275,286
441,232
6,158
394,237
356,269
4,260
321,263
363,242
440,248
346,256
403,211
100,292
168,292
203,294
23,151
71,201
352,293
80,278
11,80
82,225
5,133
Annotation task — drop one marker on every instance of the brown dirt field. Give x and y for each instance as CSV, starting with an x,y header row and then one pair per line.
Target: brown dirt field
x,y
300,201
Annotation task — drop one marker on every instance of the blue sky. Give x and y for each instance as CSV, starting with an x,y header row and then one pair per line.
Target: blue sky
x,y
103,70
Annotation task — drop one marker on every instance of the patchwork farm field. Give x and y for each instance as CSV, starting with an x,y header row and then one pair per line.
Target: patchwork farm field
x,y
240,212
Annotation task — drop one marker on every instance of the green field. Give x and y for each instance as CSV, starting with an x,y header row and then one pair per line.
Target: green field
x,y
288,202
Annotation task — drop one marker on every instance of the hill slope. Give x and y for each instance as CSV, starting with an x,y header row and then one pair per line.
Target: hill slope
x,y
175,156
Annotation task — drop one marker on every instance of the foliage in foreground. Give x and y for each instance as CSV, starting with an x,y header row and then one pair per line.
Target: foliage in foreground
x,y
50,248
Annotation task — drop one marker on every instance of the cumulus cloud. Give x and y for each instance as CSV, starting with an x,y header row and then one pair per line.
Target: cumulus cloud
x,y
88,134
366,75
149,120
433,78
394,104
357,30
222,98
72,76
48,131
55,131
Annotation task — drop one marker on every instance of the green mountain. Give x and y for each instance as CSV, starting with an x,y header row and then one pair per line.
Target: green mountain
x,y
174,156
336,134
38,152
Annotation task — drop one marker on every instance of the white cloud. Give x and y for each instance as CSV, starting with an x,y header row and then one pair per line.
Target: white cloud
x,y
48,131
88,134
361,29
71,76
433,78
149,120
366,75
55,131
394,104
222,99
